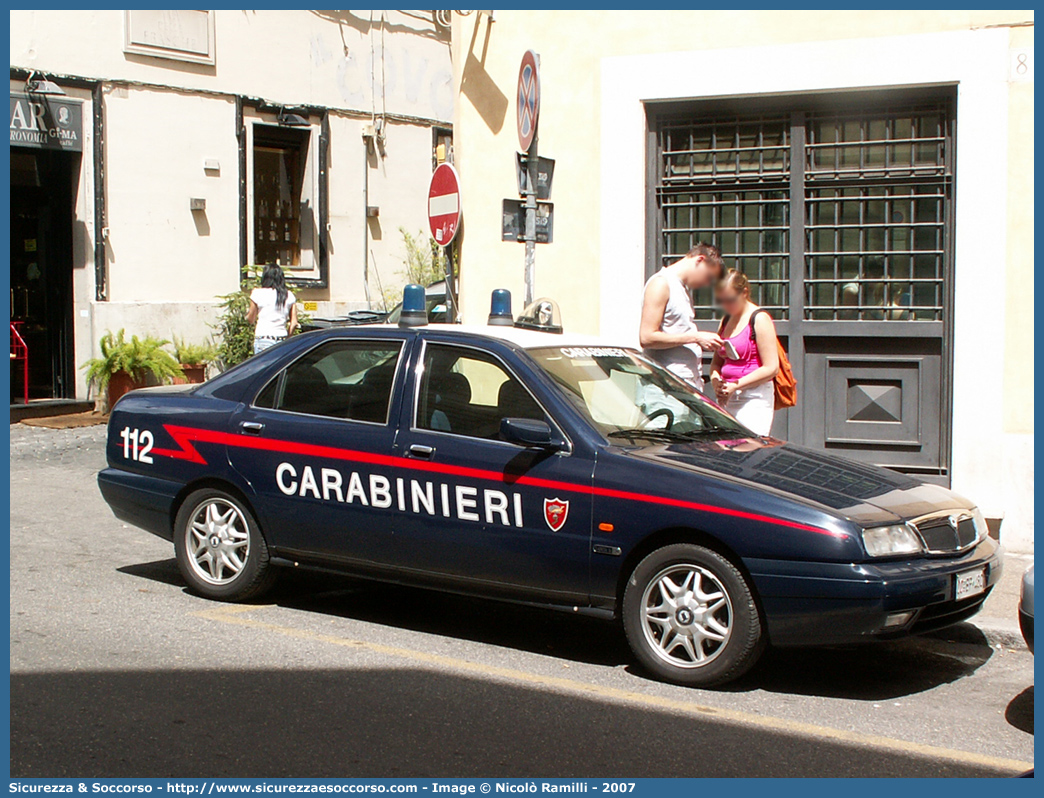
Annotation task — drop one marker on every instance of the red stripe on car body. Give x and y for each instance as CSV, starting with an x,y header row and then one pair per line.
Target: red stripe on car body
x,y
186,437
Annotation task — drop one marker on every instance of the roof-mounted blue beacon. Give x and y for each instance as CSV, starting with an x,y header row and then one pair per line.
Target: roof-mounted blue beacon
x,y
500,309
414,309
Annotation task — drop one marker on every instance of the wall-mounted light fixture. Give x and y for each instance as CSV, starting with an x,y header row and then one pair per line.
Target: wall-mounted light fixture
x,y
290,119
36,83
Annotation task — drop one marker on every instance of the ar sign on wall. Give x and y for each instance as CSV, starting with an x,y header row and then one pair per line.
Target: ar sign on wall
x,y
46,123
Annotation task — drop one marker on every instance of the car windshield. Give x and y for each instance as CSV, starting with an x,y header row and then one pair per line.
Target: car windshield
x,y
625,395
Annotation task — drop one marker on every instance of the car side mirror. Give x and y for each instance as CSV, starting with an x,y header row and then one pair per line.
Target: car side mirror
x,y
527,432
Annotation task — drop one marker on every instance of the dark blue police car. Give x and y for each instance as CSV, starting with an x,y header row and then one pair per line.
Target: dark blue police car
x,y
542,468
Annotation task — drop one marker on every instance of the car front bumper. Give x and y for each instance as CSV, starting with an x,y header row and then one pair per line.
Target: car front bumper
x,y
835,603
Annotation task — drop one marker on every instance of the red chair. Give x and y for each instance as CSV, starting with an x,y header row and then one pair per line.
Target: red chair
x,y
19,351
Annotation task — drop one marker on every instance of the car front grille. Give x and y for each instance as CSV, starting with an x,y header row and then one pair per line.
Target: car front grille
x,y
941,536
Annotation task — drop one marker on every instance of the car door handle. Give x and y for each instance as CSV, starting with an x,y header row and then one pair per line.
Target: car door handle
x,y
251,427
422,451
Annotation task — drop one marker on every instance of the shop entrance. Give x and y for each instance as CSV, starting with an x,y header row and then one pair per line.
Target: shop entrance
x,y
42,184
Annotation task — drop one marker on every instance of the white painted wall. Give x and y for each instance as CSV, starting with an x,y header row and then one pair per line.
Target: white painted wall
x,y
164,118
990,467
324,58
398,185
155,144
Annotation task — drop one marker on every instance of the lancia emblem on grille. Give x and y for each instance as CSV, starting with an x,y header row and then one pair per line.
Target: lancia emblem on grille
x,y
952,520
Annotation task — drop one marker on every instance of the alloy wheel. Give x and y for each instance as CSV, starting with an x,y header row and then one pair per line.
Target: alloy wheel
x,y
218,541
686,615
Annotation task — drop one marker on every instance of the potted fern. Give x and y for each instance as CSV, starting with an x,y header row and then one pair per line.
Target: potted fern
x,y
194,359
125,365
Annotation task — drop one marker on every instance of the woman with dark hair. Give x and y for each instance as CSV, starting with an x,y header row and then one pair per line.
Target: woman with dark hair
x,y
273,307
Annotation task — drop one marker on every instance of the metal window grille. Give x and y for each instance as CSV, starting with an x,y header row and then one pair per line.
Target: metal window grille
x,y
905,142
876,198
872,195
875,252
727,182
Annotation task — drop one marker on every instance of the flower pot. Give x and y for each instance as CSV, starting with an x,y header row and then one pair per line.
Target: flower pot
x,y
195,373
120,383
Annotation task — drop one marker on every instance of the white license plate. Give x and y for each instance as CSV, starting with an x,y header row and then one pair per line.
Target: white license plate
x,y
970,583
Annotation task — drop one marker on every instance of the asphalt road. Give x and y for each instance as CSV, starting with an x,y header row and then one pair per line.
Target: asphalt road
x,y
118,671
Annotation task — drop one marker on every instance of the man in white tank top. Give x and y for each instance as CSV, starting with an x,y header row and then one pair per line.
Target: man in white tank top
x,y
668,330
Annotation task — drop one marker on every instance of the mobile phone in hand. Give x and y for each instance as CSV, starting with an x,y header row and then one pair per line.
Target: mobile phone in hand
x,y
729,351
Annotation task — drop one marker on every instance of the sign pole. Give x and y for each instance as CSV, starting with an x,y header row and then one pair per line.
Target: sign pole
x,y
451,288
531,209
527,111
444,211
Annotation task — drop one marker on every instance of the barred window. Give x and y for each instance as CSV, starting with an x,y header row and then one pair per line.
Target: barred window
x,y
905,142
875,252
740,168
726,150
876,229
871,187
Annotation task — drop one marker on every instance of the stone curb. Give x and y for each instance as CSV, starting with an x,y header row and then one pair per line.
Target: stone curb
x,y
1001,633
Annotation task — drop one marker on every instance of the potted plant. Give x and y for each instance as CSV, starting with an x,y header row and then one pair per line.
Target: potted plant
x,y
125,365
194,359
236,337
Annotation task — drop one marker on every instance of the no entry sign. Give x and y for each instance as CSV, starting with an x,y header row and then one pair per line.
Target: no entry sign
x,y
444,204
528,100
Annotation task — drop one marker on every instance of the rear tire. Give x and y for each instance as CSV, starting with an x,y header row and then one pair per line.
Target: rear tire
x,y
219,547
690,617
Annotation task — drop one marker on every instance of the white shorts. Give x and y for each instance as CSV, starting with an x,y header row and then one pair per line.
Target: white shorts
x,y
754,407
263,343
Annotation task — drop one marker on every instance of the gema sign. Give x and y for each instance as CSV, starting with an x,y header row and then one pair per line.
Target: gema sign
x,y
47,123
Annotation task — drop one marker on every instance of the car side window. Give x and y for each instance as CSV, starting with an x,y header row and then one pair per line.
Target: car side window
x,y
340,379
465,392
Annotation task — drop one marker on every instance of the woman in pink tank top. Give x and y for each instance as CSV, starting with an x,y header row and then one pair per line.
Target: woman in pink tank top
x,y
744,384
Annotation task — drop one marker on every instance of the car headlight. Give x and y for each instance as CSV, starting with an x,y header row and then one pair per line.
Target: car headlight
x,y
982,530
888,541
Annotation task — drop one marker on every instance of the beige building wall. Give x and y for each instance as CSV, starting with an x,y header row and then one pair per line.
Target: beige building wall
x,y
1017,377
583,268
164,119
323,58
156,143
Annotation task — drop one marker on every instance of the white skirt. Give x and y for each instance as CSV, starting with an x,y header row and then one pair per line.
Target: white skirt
x,y
754,407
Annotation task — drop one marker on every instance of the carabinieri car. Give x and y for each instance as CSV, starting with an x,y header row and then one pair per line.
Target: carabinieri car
x,y
542,468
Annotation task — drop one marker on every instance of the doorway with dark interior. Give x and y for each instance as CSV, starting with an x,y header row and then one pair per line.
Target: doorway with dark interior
x,y
42,191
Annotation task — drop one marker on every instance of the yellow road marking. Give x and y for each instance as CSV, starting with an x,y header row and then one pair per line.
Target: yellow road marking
x,y
233,614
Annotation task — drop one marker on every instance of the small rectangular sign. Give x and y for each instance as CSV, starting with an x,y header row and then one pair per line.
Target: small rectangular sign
x,y
545,173
311,307
513,223
182,35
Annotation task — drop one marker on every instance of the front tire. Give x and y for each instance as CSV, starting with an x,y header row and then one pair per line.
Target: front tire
x,y
690,617
219,547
